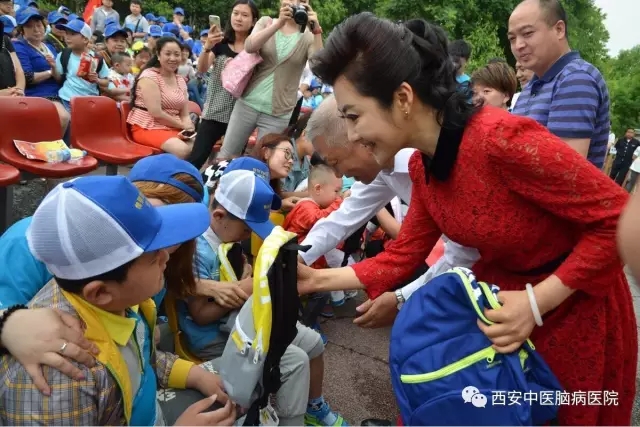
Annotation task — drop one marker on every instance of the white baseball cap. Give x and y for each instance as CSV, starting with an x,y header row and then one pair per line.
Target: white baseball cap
x,y
250,198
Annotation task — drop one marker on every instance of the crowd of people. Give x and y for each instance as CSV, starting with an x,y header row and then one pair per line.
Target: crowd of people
x,y
377,135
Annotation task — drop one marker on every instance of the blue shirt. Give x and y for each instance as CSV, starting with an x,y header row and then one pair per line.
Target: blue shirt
x,y
77,86
197,48
22,275
32,62
206,266
572,100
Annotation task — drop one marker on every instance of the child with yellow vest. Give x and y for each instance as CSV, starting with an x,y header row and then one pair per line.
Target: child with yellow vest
x,y
242,204
106,246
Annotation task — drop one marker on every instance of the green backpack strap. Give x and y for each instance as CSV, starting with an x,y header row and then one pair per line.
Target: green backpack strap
x,y
65,55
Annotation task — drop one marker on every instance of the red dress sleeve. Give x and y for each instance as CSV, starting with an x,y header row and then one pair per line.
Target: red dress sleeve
x,y
543,169
418,235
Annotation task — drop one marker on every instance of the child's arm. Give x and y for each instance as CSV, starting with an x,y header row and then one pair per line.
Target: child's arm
x,y
307,213
205,312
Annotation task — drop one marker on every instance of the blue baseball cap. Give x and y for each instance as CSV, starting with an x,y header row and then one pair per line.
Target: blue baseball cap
x,y
162,168
171,28
162,19
113,30
187,28
56,18
167,34
9,23
112,20
204,33
178,11
155,31
73,16
150,17
93,225
249,198
27,14
76,26
213,173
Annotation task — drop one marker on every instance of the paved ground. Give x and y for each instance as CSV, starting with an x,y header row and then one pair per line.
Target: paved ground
x,y
356,375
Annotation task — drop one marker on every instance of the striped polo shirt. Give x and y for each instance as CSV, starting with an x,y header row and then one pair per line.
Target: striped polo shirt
x,y
572,100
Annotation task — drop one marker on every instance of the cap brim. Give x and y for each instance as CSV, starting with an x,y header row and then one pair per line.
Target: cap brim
x,y
115,33
180,223
262,229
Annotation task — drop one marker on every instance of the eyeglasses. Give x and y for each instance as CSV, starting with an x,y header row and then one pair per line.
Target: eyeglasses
x,y
288,155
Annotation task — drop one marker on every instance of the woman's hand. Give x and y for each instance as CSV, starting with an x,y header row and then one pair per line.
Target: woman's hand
x,y
198,414
214,37
289,203
513,321
11,91
313,17
286,14
187,124
307,279
52,337
227,294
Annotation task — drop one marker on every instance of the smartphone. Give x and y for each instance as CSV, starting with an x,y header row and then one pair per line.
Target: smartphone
x,y
215,20
188,134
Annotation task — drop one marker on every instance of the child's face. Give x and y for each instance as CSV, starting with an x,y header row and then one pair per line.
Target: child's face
x,y
145,279
228,229
185,55
327,193
124,67
142,58
75,40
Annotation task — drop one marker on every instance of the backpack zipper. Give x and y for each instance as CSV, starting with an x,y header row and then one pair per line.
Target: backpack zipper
x,y
487,354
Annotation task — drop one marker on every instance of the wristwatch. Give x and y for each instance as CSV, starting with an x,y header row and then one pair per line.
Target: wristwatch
x,y
400,299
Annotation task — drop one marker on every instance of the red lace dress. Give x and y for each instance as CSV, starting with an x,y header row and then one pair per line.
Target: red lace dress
x,y
524,199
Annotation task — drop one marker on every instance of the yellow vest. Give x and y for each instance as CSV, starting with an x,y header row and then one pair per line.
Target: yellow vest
x,y
110,355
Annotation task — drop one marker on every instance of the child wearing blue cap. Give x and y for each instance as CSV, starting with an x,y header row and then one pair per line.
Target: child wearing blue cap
x,y
102,14
77,79
137,23
106,246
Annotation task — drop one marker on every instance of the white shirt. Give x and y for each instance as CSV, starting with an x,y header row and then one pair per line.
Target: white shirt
x,y
305,79
635,166
367,200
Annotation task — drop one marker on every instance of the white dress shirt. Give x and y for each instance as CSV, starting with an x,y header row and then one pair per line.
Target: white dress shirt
x,y
367,200
356,210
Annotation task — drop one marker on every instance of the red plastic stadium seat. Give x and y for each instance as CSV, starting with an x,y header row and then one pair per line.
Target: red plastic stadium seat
x,y
9,175
35,120
95,128
195,108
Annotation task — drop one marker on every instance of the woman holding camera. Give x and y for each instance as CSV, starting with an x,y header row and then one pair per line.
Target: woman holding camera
x,y
285,44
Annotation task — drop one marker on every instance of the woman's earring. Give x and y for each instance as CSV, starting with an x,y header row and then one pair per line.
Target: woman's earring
x,y
406,114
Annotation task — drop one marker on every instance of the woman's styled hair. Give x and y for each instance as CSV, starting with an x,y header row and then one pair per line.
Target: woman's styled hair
x,y
229,32
377,56
497,75
269,142
181,281
154,62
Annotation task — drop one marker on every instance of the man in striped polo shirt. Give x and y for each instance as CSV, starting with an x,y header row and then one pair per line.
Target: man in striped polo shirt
x,y
567,94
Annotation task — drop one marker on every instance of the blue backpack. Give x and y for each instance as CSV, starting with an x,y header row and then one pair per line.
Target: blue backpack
x,y
445,372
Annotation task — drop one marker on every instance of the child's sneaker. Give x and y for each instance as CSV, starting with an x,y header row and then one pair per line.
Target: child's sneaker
x,y
323,416
327,311
350,294
316,327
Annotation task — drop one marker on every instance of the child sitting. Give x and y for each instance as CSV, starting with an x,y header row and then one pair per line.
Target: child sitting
x,y
140,59
325,189
77,80
242,203
120,77
106,246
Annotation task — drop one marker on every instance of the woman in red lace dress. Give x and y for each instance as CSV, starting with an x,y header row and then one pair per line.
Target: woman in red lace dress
x,y
536,210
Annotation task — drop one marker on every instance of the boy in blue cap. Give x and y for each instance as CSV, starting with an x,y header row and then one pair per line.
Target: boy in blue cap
x,y
106,246
56,35
101,14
